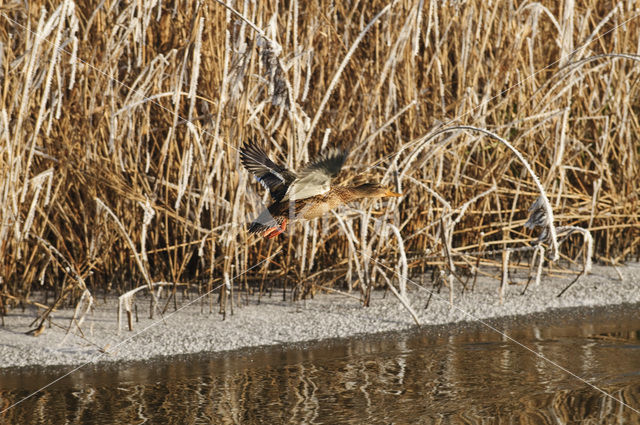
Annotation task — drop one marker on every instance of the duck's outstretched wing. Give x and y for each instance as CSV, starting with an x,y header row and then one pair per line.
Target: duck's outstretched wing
x,y
315,178
272,176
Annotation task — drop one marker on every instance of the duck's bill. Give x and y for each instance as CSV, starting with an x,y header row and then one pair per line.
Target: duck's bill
x,y
391,193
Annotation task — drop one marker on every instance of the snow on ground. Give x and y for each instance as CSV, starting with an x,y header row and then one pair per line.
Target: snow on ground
x,y
273,321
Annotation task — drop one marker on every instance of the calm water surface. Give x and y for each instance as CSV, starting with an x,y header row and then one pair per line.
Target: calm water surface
x,y
442,375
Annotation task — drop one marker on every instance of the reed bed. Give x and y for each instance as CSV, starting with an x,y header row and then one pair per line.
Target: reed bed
x,y
120,124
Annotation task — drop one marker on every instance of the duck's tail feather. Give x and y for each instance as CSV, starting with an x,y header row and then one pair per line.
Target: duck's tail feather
x,y
256,227
265,221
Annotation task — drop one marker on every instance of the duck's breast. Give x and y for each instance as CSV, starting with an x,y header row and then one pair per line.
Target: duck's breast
x,y
317,207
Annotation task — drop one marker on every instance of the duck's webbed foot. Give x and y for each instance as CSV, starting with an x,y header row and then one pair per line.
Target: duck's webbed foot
x,y
275,231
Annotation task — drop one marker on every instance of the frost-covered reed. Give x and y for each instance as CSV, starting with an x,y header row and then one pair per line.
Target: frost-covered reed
x,y
471,109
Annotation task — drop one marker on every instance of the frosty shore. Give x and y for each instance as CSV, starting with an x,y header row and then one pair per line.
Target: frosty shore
x,y
193,329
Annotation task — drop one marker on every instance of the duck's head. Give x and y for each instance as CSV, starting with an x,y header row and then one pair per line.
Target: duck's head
x,y
374,190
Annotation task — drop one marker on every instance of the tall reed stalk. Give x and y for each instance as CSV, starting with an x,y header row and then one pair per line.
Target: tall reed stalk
x,y
143,106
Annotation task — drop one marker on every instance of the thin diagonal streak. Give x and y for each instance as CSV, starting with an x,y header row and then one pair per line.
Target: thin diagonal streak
x,y
135,335
481,321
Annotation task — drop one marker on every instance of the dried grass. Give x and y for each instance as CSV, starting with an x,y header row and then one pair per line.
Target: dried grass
x,y
145,106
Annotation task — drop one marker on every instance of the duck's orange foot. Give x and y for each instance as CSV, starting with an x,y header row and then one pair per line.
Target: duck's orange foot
x,y
275,231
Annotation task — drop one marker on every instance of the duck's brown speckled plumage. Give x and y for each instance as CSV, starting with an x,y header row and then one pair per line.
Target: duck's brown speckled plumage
x,y
306,196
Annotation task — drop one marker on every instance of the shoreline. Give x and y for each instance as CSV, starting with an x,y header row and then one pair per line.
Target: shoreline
x,y
274,322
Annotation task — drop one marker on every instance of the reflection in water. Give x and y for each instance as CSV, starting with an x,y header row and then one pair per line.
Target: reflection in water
x,y
442,375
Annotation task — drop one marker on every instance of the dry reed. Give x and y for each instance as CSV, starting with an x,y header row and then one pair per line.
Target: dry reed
x,y
143,106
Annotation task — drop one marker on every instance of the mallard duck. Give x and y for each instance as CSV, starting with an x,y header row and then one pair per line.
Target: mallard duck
x,y
304,195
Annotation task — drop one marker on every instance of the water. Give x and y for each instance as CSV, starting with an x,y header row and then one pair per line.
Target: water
x,y
442,375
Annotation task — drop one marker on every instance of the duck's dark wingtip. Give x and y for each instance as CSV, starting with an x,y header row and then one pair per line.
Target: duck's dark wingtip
x,y
248,144
252,156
